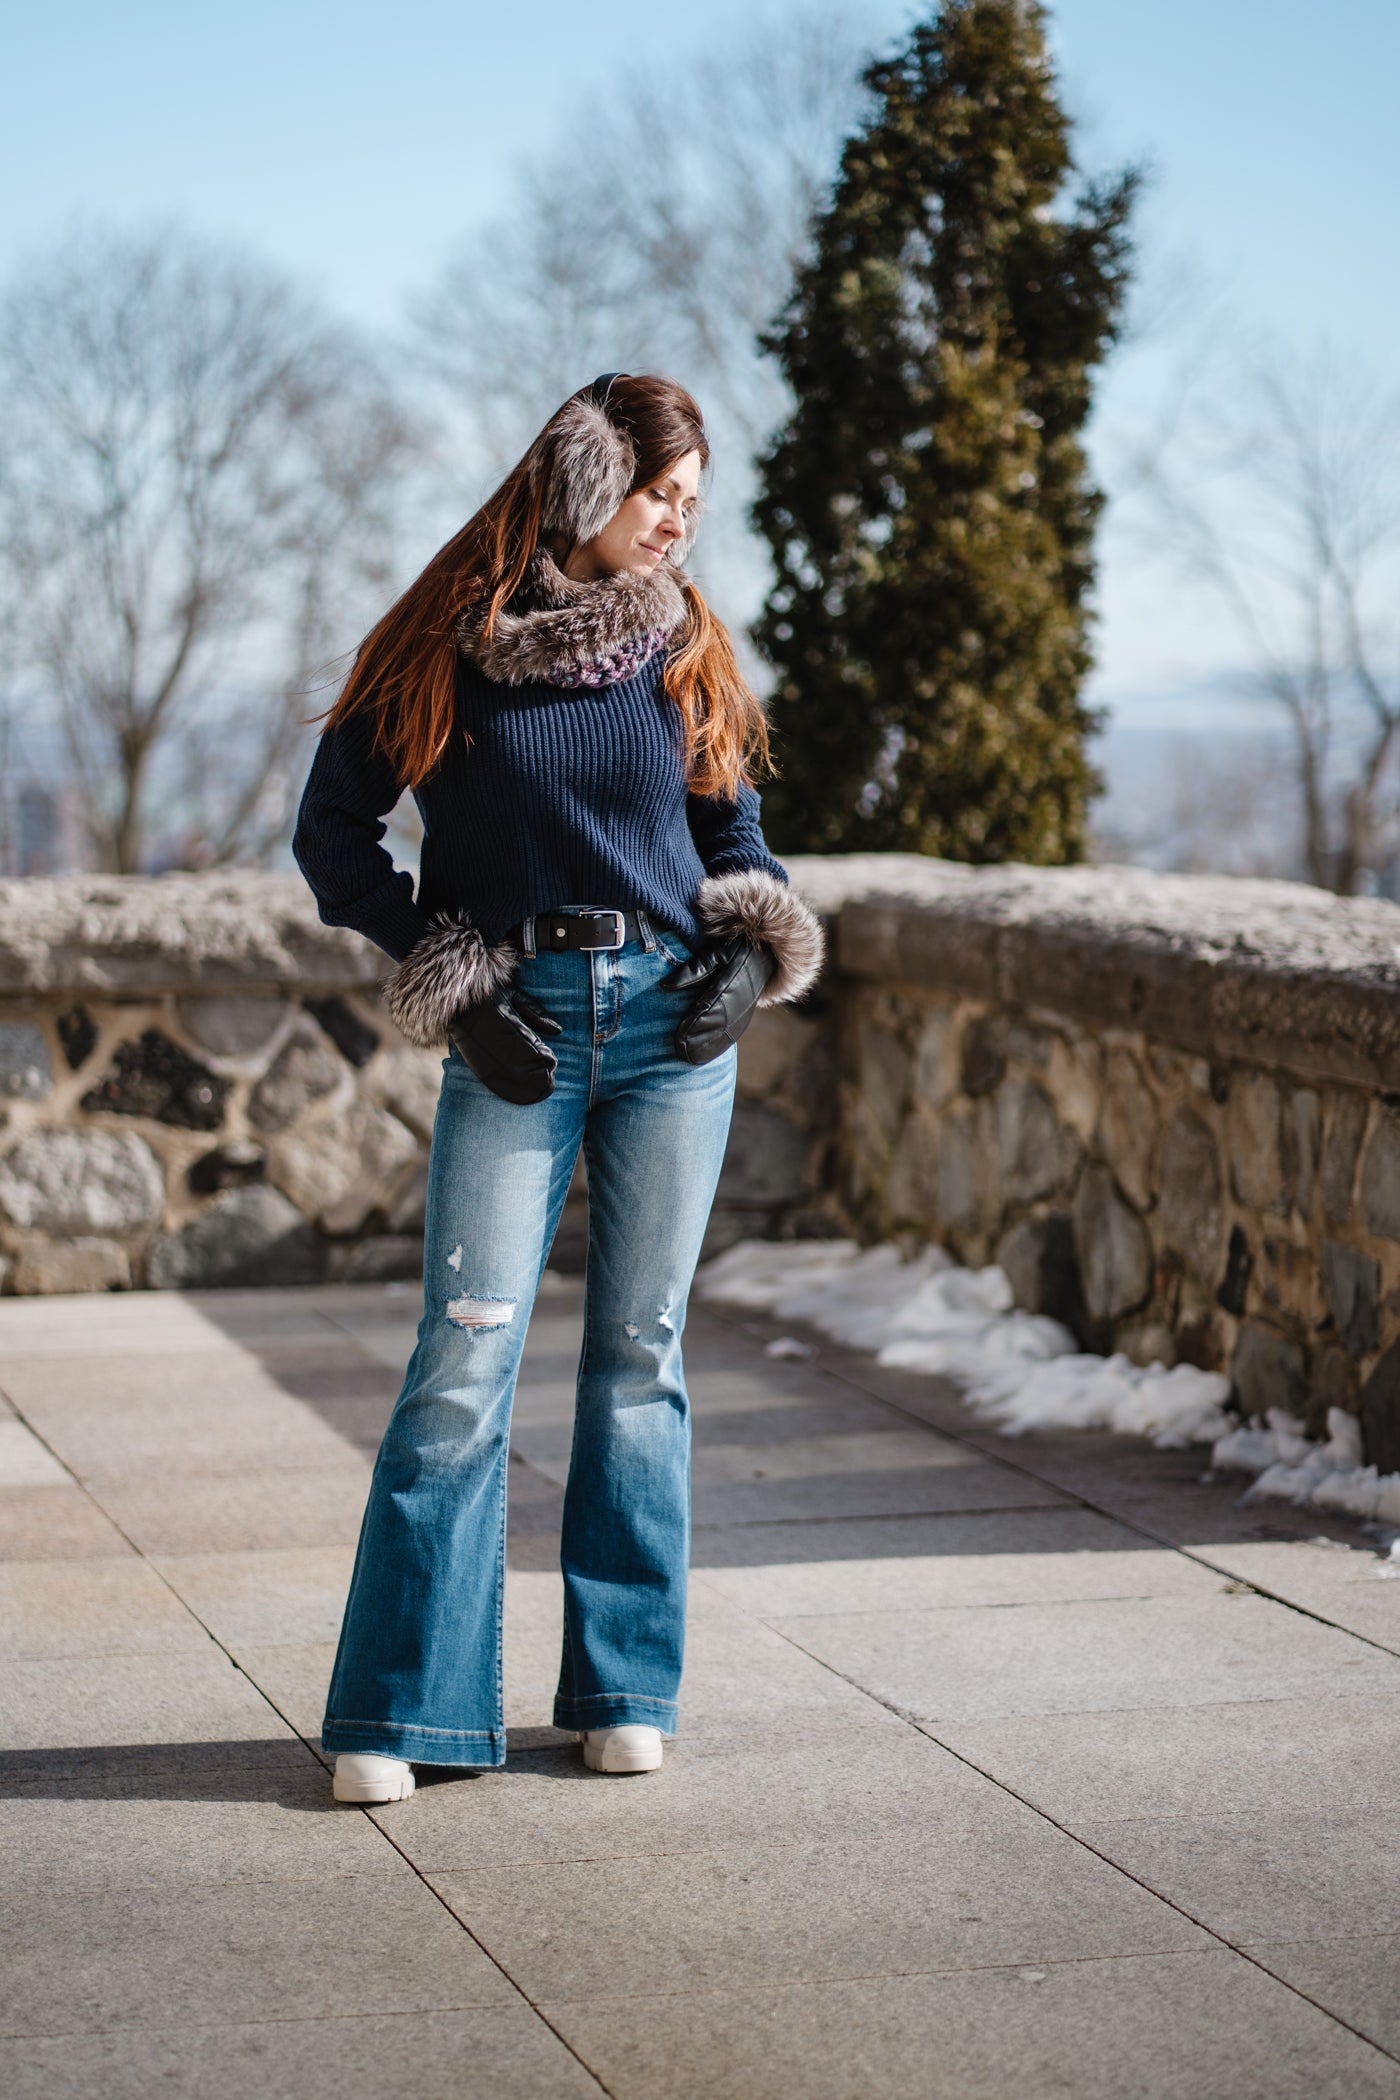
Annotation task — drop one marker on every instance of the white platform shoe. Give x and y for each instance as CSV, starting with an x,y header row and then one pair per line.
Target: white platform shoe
x,y
633,1748
366,1779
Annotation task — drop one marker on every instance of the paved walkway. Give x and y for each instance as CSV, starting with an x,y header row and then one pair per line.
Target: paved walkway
x,y
1008,1770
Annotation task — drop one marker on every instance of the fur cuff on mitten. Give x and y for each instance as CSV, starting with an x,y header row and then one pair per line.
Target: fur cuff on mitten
x,y
758,906
451,967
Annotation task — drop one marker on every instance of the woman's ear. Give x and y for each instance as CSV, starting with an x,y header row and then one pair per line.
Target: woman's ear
x,y
588,466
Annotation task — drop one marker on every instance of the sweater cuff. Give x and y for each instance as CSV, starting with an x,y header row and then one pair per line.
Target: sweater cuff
x,y
740,861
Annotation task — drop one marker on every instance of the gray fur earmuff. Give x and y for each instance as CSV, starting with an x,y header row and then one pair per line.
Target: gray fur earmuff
x,y
588,466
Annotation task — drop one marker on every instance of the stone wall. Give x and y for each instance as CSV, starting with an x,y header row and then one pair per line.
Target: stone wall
x,y
199,1085
1169,1106
1166,1105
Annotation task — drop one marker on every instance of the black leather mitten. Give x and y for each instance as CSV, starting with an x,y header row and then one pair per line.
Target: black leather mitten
x,y
500,1038
726,978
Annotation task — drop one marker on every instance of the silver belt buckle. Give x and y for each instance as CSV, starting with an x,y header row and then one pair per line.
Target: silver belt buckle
x,y
621,918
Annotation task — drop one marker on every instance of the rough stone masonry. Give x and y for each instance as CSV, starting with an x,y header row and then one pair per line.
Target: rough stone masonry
x,y
1169,1106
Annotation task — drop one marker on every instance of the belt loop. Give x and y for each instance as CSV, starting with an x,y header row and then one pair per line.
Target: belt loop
x,y
645,930
527,929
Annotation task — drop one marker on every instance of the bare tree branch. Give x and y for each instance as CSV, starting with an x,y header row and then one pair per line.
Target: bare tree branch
x,y
1281,491
198,473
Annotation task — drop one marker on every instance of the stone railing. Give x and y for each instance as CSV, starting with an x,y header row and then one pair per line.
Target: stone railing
x,y
1164,1104
199,1085
1168,1106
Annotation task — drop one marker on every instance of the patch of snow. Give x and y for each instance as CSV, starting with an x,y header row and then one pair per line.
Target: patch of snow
x,y
1024,1371
788,1345
1291,1467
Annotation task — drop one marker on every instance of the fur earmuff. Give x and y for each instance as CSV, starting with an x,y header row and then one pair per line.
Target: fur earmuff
x,y
757,905
588,466
451,967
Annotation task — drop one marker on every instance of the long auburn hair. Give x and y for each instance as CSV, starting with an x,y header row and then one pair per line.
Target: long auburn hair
x,y
405,669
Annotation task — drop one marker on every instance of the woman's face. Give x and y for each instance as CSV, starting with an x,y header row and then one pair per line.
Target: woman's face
x,y
640,534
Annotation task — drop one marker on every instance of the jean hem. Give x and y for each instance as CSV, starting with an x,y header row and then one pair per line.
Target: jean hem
x,y
616,1710
423,1746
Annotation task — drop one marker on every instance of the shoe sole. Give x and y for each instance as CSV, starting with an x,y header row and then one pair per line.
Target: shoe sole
x,y
367,1795
619,1765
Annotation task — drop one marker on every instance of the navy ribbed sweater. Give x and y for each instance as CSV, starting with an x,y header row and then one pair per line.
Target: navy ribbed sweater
x,y
564,796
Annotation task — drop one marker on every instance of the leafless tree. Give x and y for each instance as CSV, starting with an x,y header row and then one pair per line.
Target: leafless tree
x,y
663,239
1281,492
198,474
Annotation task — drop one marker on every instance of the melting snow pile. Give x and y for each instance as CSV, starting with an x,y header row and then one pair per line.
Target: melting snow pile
x,y
1292,1468
1024,1371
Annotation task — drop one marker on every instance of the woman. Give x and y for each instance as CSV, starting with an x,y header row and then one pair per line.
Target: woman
x,y
597,917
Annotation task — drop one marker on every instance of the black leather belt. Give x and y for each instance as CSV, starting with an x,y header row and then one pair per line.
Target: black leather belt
x,y
583,929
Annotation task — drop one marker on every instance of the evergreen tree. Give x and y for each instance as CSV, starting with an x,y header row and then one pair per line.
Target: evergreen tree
x,y
928,503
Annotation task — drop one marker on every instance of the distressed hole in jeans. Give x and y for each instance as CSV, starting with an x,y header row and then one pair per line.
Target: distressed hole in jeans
x,y
480,1312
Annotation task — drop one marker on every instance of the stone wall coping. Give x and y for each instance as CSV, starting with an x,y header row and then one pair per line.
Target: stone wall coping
x,y
1272,973
137,935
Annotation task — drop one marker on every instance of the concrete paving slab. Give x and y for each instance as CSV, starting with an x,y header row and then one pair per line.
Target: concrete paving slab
x,y
1207,2025
962,1664
899,1489
295,1681
506,2052
312,1313
762,1790
91,1607
266,1950
827,1907
181,1414
56,1522
933,1562
1339,1580
359,1421
259,1821
1327,1873
25,1462
272,1598
243,1512
104,1324
174,1697
740,1674
1357,1979
1177,1761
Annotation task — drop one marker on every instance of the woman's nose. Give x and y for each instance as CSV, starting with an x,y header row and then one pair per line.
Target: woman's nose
x,y
673,525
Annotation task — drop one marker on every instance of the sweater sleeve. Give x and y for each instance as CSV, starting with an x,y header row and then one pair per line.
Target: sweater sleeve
x,y
728,835
350,789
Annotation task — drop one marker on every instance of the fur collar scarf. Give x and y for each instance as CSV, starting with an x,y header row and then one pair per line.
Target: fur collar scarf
x,y
560,632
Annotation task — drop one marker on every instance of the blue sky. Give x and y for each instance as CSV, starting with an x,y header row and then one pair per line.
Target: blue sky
x,y
356,143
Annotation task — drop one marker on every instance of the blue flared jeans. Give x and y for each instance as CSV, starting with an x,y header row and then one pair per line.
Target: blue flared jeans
x,y
418,1670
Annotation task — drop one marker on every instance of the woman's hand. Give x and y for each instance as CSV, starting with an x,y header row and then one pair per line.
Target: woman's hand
x,y
728,975
500,1038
